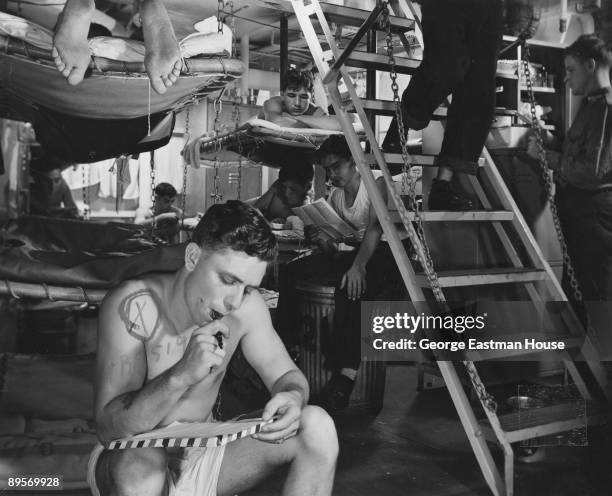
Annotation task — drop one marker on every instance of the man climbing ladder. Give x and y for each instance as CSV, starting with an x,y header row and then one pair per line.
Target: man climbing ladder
x,y
461,42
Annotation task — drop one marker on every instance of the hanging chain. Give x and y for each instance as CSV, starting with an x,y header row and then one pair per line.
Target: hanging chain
x,y
219,17
546,177
185,169
233,27
425,257
218,105
485,398
237,118
152,174
86,209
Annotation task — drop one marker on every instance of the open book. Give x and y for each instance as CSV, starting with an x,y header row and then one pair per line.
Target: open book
x,y
321,214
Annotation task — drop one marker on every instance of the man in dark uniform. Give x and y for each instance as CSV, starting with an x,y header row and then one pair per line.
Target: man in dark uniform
x,y
583,170
461,43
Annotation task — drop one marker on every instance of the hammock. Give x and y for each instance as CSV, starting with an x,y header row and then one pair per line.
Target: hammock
x,y
78,261
257,141
70,260
112,89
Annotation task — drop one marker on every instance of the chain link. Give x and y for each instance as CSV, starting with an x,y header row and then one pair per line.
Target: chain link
x,y
152,175
546,177
185,169
218,106
85,191
237,118
424,254
232,27
220,6
481,391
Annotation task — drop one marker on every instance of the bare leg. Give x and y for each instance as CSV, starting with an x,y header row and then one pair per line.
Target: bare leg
x,y
132,472
163,57
311,456
70,49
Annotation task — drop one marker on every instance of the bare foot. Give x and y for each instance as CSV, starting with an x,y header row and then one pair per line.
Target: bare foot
x,y
163,56
70,49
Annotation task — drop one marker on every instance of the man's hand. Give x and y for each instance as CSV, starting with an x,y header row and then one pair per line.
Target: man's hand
x,y
287,406
355,282
311,233
203,353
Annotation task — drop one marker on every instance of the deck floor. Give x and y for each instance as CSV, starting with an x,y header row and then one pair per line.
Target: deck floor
x,y
416,446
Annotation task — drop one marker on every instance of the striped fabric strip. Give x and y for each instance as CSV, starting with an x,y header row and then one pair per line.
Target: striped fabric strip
x,y
188,442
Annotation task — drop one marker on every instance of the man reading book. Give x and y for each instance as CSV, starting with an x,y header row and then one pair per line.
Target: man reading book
x,y
164,343
359,274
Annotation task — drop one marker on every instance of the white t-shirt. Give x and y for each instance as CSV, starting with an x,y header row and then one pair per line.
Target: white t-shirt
x,y
356,215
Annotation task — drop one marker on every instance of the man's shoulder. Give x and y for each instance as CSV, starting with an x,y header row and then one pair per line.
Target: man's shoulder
x,y
274,102
137,304
252,312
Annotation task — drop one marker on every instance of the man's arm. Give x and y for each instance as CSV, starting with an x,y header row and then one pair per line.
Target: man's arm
x,y
266,353
143,217
355,277
321,121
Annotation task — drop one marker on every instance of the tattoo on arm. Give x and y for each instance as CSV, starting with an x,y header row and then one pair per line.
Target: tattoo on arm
x,y
128,399
139,312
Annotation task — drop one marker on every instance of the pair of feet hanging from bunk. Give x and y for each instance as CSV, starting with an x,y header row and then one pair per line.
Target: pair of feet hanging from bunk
x,y
72,56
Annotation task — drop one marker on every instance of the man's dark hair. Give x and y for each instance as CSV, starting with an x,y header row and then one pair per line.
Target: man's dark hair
x,y
301,173
296,79
238,226
334,145
165,189
589,46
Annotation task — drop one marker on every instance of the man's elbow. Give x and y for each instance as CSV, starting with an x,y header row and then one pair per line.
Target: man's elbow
x,y
104,431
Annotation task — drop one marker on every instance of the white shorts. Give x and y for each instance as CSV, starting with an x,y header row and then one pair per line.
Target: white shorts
x,y
190,471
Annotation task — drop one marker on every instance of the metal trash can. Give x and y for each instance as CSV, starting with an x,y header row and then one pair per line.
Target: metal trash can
x,y
316,307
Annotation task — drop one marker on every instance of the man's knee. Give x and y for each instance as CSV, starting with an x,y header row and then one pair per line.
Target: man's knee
x,y
139,472
318,433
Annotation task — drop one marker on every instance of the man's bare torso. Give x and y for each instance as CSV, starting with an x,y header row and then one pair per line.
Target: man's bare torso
x,y
149,320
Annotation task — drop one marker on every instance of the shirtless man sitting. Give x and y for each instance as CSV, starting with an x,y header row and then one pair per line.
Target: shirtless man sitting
x,y
159,361
71,52
294,108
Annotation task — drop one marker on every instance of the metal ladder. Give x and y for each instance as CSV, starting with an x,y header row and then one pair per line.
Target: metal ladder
x,y
537,276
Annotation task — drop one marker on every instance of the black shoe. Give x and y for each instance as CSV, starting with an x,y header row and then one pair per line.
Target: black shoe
x,y
336,394
443,197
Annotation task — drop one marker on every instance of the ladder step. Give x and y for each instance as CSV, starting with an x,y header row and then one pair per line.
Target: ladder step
x,y
387,107
396,158
457,278
424,160
530,423
441,112
381,107
471,216
339,14
380,62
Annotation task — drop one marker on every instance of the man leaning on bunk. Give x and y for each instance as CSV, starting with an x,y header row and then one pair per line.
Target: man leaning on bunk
x,y
163,327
